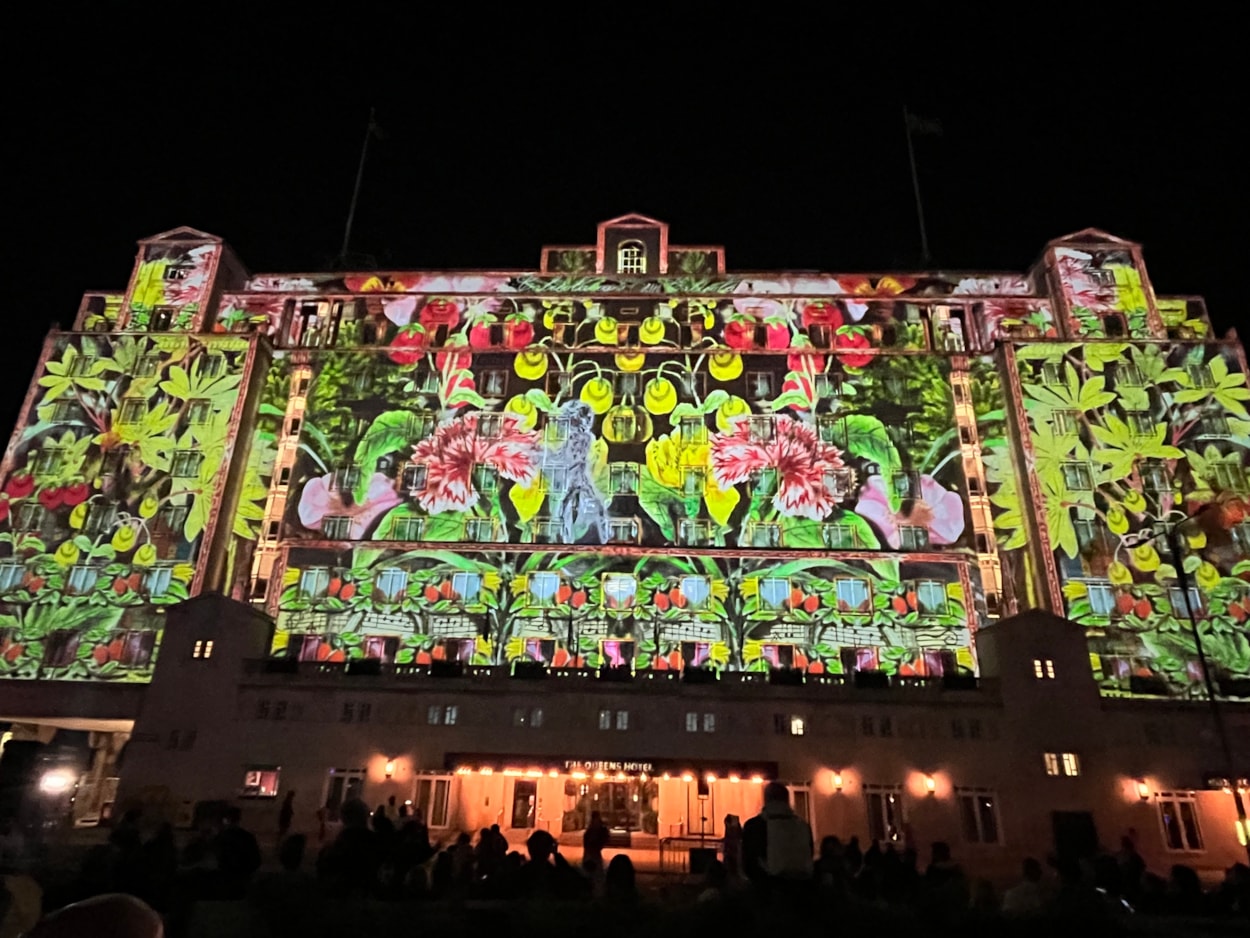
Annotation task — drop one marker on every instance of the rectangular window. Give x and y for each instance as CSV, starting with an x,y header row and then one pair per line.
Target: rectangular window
x,y
605,719
868,726
100,518
622,720
854,595
199,411
1139,423
414,477
1215,425
156,581
1155,478
1051,761
759,385
489,426
1052,374
1129,375
695,590
147,366
203,648
693,431
624,425
29,517
433,801
978,815
1182,604
481,530
764,535
626,384
913,537
1067,422
337,527
1077,476
774,592
957,728
82,578
214,366
11,575
467,587
434,714
931,598
1241,536
186,464
1044,669
1101,598
692,723
839,536
132,411
485,478
259,782
345,478
693,532
839,482
693,482
887,726
390,584
348,713
906,484
798,725
64,412
709,722
692,385
623,478
832,430
493,382
407,529
1230,476
314,582
1070,763
885,813
542,588
1178,816
623,530
1200,376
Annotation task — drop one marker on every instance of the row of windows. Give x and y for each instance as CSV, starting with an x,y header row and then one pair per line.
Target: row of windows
x,y
1103,597
1129,375
547,588
884,727
1140,423
84,577
212,365
100,518
184,463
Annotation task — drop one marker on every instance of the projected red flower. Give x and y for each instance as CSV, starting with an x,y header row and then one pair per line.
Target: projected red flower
x,y
456,447
795,452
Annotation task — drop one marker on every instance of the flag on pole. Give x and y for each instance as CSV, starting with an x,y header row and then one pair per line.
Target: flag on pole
x,y
922,126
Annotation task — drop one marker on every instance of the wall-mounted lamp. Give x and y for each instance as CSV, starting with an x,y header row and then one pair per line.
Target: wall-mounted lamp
x,y
1143,790
390,767
930,784
837,782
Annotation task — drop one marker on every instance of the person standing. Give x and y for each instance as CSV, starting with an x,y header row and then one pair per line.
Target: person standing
x,y
777,845
286,814
594,839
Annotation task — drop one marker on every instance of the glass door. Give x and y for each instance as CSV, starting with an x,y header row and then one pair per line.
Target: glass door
x,y
524,804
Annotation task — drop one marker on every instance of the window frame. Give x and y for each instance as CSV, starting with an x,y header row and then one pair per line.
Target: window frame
x,y
977,815
1183,842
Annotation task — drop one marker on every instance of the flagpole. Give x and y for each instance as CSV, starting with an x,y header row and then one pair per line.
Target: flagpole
x,y
360,173
915,185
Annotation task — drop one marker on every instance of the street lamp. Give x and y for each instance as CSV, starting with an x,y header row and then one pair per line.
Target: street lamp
x,y
1170,532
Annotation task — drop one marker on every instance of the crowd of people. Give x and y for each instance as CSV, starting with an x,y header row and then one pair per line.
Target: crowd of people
x,y
768,863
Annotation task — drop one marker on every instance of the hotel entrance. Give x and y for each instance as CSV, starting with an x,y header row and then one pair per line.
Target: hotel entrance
x,y
627,806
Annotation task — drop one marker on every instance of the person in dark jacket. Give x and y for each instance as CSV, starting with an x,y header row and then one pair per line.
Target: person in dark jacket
x,y
594,840
777,844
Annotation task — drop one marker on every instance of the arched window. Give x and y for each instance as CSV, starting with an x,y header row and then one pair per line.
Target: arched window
x,y
631,258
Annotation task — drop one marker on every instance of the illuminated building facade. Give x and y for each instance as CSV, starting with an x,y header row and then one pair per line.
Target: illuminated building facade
x,y
632,530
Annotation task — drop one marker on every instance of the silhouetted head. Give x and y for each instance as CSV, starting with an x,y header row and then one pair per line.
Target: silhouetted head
x,y
540,846
619,879
596,817
354,813
830,847
776,793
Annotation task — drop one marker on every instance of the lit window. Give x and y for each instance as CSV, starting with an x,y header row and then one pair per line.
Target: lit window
x,y
692,723
156,581
631,258
1071,765
1129,375
626,384
147,366
798,726
11,575
854,595
605,719
696,590
1155,478
203,648
434,714
314,582
82,578
64,412
345,478
390,584
622,720
493,382
186,464
48,461
1183,604
1044,669
100,518
1178,816
763,535
759,385
978,815
693,532
543,587
623,531
1230,476
839,536
1101,598
1077,476
885,813
709,722
693,431
839,482
906,484
466,586
931,598
1214,425
485,478
913,537
199,411
536,717
480,530
1200,376
1241,536
619,590
1051,761
214,365
774,592
260,782
337,527
1139,423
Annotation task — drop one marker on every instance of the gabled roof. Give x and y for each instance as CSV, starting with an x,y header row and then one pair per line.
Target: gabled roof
x,y
1090,236
182,233
633,219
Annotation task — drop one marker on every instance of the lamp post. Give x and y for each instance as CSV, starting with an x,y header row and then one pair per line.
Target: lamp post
x,y
1170,532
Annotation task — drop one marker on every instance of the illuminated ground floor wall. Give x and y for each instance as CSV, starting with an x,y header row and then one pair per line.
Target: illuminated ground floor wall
x,y
743,611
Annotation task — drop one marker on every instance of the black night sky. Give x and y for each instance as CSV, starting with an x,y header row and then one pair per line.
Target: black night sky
x,y
781,138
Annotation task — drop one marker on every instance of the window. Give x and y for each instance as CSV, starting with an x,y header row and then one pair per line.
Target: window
x,y
147,366
186,464
29,517
1182,604
558,384
348,713
1139,423
262,710
1061,763
887,726
132,411
885,813
1200,376
1052,373
467,587
493,382
345,478
479,529
854,595
64,411
631,258
605,719
700,722
171,518
839,482
839,536
314,582
868,726
1077,476
162,319
199,411
978,815
774,592
82,578
623,478
1155,478
1129,375
759,385
623,531
832,430
156,581
761,429
626,383
543,587
1101,598
433,801
957,728
693,532
693,482
693,431
763,535
618,719
527,716
913,537
100,518
1215,425
692,723
407,529
931,598
390,584
695,590
1230,476
11,575
1044,669
485,478
413,478
906,484
624,425
337,527
203,648
260,782
798,725
1178,816
214,365
442,714
1070,763
1241,536
622,720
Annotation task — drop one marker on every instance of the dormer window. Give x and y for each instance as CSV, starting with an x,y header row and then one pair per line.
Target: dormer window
x,y
631,258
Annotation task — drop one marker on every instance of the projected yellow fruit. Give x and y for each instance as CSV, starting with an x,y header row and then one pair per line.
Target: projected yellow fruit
x,y
660,396
597,394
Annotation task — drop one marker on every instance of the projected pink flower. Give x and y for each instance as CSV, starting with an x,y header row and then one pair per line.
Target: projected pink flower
x,y
321,499
939,510
795,452
456,447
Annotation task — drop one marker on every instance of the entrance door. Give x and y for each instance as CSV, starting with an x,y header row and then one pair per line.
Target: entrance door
x,y
343,785
432,801
618,804
524,802
1076,837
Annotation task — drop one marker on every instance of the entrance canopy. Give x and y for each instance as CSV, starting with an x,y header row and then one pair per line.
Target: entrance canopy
x,y
536,766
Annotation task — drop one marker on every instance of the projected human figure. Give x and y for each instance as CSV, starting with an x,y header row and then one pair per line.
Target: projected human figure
x,y
583,506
